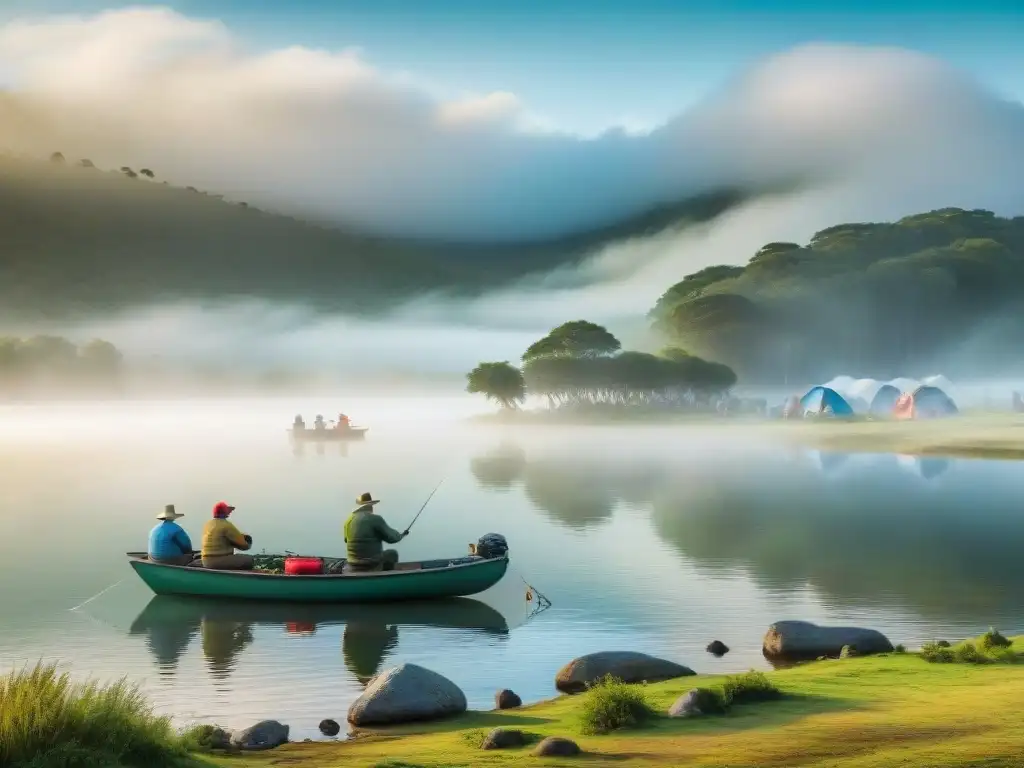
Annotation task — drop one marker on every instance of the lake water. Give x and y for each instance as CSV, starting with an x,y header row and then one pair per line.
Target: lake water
x,y
655,539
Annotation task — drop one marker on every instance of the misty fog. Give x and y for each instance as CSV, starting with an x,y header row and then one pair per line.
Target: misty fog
x,y
864,134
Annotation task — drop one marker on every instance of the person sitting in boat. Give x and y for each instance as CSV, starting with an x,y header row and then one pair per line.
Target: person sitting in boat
x,y
365,535
343,421
318,423
168,542
298,425
220,540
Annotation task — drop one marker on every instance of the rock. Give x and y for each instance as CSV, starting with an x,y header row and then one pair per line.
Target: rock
x,y
329,728
796,640
406,693
696,702
847,652
718,648
555,746
266,734
686,705
628,666
503,738
506,699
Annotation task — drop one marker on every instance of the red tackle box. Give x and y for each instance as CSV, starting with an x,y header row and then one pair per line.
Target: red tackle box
x,y
303,566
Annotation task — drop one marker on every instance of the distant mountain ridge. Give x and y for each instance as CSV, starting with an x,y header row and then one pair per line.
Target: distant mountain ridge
x,y
77,240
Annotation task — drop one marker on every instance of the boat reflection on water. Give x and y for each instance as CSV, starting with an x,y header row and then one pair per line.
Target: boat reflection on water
x,y
301,448
370,631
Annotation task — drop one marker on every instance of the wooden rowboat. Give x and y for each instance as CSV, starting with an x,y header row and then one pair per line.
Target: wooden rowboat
x,y
423,580
328,435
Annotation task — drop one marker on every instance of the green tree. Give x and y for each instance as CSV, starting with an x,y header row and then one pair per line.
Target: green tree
x,y
578,338
501,382
147,173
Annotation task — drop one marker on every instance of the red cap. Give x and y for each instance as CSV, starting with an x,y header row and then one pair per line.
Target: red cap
x,y
222,509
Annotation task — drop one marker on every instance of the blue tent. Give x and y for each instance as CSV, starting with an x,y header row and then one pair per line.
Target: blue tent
x,y
822,400
885,400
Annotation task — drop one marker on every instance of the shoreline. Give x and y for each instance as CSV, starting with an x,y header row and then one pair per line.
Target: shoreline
x,y
978,436
870,711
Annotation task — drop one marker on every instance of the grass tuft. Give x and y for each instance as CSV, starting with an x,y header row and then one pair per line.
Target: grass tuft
x,y
612,705
749,688
991,648
46,721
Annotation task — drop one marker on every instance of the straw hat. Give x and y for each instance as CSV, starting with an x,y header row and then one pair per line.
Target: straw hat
x,y
366,500
169,513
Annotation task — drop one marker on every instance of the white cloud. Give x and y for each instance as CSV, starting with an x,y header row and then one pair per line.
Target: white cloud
x,y
875,133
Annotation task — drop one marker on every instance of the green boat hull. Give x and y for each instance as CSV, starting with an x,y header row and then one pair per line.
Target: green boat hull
x,y
429,583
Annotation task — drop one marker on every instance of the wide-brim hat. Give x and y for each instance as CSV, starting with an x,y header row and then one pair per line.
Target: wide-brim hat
x,y
366,500
169,513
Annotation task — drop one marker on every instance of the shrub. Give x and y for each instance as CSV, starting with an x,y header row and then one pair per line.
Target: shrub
x,y
847,652
711,701
611,704
748,688
46,720
968,653
901,648
993,639
937,653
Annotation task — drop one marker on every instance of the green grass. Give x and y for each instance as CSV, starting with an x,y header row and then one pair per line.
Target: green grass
x,y
861,712
990,648
47,721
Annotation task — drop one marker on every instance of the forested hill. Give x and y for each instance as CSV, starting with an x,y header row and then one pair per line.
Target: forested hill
x,y
944,288
75,239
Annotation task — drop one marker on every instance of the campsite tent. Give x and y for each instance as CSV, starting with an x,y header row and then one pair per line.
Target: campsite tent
x,y
885,400
825,401
924,403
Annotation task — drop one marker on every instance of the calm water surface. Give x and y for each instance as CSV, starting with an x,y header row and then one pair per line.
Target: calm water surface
x,y
656,539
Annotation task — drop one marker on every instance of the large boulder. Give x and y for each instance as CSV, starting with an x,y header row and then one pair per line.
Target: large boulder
x,y
266,734
801,640
404,694
628,666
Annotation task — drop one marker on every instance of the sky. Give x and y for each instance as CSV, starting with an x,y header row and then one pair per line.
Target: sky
x,y
496,121
586,65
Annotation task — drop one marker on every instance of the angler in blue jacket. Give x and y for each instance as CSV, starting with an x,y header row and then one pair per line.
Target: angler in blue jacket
x,y
168,542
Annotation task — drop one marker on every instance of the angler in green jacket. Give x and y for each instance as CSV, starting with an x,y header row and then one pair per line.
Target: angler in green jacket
x,y
365,535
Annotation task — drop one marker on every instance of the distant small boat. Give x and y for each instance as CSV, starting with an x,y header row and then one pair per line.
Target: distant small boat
x,y
426,579
328,435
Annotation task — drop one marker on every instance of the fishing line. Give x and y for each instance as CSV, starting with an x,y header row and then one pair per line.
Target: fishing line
x,y
98,594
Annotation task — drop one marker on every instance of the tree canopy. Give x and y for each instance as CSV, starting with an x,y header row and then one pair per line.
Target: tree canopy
x,y
52,362
876,298
500,382
580,362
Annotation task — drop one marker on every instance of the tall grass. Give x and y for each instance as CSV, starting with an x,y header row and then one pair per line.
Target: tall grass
x,y
46,721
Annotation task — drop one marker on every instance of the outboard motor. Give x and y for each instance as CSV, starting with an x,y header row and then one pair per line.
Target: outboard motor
x,y
490,546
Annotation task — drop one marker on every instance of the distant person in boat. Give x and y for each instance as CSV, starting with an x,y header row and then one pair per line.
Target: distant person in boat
x,y
168,542
365,535
343,421
298,424
220,540
318,423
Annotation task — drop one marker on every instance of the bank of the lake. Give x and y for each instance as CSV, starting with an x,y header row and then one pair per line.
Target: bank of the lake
x,y
971,436
872,711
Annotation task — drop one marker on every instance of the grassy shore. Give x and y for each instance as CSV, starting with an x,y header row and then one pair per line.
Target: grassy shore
x,y
866,712
973,436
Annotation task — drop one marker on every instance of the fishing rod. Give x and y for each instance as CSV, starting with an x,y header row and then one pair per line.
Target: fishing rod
x,y
409,527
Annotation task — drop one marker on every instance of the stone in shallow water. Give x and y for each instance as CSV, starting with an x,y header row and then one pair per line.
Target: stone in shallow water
x,y
404,694
329,727
717,648
628,666
796,640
